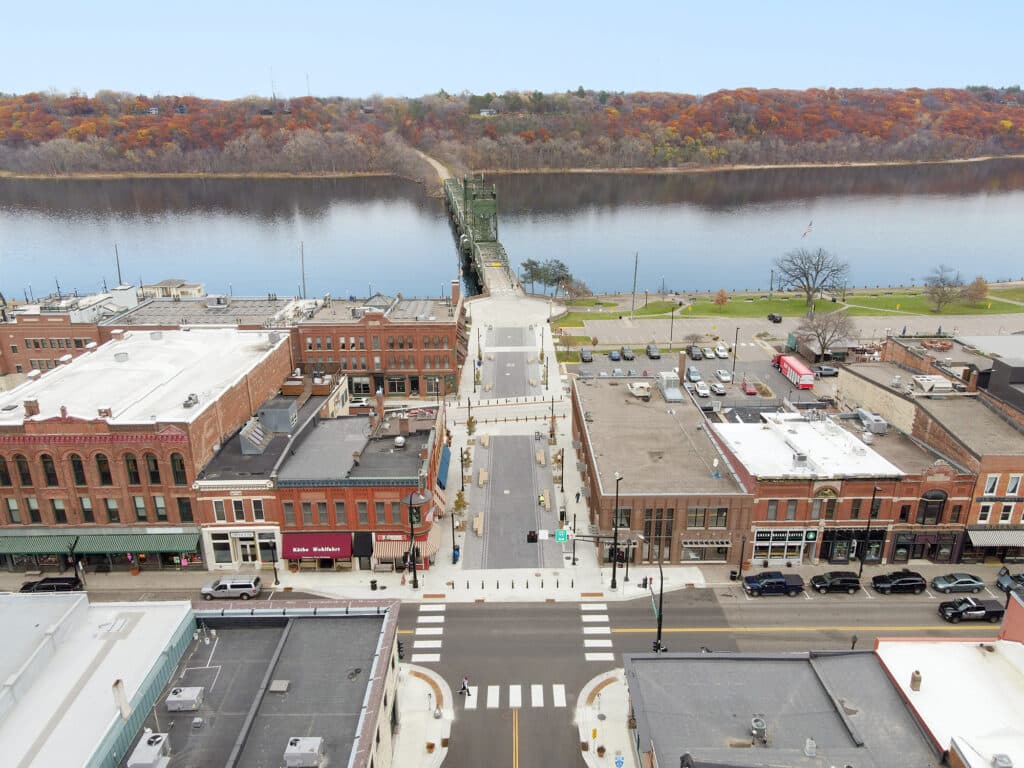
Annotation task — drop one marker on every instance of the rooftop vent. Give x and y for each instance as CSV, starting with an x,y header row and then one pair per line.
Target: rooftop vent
x,y
156,335
191,400
1002,760
121,357
105,413
31,408
399,443
151,752
184,699
304,752
759,729
810,748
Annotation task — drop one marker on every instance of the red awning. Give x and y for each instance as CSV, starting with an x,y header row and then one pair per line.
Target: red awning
x,y
296,546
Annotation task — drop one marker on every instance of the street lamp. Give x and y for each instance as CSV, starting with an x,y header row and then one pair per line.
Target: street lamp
x,y
414,501
735,349
867,531
743,549
574,538
657,646
273,555
615,530
671,326
629,556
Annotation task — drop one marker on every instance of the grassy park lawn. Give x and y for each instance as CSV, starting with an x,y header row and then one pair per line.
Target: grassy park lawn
x,y
567,356
740,307
589,303
918,304
1013,294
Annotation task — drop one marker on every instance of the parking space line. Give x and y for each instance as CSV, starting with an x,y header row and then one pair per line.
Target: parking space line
x,y
867,593
929,593
990,593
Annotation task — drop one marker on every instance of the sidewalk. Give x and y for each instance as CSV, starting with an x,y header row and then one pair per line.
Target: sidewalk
x,y
425,714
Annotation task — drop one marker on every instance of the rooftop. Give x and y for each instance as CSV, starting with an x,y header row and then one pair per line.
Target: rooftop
x,y
771,450
69,652
970,691
659,447
396,310
978,427
215,310
144,378
703,704
329,664
1008,347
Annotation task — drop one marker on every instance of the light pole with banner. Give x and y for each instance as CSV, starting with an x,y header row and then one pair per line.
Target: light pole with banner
x,y
657,645
273,555
615,530
867,532
414,501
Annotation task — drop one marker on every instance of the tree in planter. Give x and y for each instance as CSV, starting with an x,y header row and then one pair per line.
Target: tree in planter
x,y
943,286
460,504
470,425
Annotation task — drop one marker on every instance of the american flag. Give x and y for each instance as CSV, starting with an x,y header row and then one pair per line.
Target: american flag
x,y
810,228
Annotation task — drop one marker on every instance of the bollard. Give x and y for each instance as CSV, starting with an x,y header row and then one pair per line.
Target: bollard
x,y
542,583
572,584
467,584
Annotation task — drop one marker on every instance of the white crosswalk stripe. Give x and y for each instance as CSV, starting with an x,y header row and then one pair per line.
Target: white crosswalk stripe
x,y
536,695
594,618
426,644
430,619
599,642
515,696
493,695
593,606
471,697
599,656
597,630
424,658
429,630
558,695
432,608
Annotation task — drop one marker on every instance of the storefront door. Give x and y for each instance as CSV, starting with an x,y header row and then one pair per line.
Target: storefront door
x,y
247,551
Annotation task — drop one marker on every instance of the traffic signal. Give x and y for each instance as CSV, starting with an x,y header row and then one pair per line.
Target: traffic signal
x,y
643,583
401,650
531,537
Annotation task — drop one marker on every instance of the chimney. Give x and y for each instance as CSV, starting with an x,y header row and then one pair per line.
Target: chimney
x,y
31,408
915,680
455,293
121,699
64,412
682,362
379,405
105,413
403,425
355,457
972,382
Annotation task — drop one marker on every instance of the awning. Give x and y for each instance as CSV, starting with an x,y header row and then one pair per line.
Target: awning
x,y
994,537
295,546
433,542
707,543
390,549
442,467
36,545
120,543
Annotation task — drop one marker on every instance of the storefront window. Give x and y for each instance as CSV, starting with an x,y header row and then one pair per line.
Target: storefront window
x,y
360,384
268,547
396,385
221,548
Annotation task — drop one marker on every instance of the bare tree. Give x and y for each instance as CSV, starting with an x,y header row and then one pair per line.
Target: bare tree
x,y
826,328
811,271
943,286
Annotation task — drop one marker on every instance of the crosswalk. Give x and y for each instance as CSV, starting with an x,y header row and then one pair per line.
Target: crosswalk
x,y
514,696
426,645
596,632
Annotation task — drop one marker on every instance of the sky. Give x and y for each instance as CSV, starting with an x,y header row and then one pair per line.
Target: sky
x,y
233,49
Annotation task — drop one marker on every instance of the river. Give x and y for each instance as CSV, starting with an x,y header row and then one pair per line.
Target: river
x,y
695,231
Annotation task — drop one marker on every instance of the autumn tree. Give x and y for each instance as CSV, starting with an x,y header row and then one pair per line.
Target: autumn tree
x,y
943,286
976,291
721,299
811,272
823,329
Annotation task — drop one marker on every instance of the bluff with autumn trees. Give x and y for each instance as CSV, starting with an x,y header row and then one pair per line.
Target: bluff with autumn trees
x,y
45,133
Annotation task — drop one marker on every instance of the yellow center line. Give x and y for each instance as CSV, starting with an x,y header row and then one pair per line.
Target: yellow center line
x,y
755,630
515,738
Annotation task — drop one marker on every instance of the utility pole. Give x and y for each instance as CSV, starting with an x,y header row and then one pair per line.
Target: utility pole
x,y
117,260
615,528
735,351
636,263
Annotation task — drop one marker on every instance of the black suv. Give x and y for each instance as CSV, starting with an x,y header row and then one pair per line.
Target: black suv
x,y
899,581
836,581
775,317
695,353
628,353
53,584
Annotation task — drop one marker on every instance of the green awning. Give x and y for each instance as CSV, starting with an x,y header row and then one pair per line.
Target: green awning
x,y
116,543
36,545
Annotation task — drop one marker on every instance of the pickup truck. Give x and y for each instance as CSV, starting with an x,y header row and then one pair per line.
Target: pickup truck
x,y
971,609
773,583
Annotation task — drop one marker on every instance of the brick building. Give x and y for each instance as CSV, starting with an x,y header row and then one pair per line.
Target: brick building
x,y
677,490
329,495
815,483
98,456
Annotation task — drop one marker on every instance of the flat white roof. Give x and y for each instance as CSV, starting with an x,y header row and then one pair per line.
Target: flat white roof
x,y
63,705
145,376
970,691
770,450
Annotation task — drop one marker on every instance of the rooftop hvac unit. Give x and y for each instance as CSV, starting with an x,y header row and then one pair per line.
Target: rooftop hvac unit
x,y
1002,760
152,751
304,752
184,699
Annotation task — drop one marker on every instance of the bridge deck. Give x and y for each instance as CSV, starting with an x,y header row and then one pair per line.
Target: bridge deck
x,y
489,256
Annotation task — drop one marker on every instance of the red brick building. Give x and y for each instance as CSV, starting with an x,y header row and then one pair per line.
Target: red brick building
x,y
110,444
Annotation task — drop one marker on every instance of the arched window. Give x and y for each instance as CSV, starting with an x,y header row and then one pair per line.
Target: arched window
x,y
49,470
78,469
5,473
929,508
178,469
153,469
103,469
24,474
131,468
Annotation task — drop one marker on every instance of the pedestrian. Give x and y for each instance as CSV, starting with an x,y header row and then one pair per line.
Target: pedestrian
x,y
577,497
465,686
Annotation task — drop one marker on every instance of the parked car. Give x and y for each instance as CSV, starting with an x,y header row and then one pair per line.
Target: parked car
x,y
359,402
971,609
702,389
618,372
653,352
899,581
749,388
231,587
775,317
586,355
1008,581
823,371
717,389
693,373
836,581
723,375
708,352
53,584
773,583
695,353
957,582
614,356
722,352
628,353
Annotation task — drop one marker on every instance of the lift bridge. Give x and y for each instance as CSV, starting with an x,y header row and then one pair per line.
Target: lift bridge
x,y
473,209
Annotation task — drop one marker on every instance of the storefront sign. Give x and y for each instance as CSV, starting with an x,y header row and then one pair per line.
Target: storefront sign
x,y
295,546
